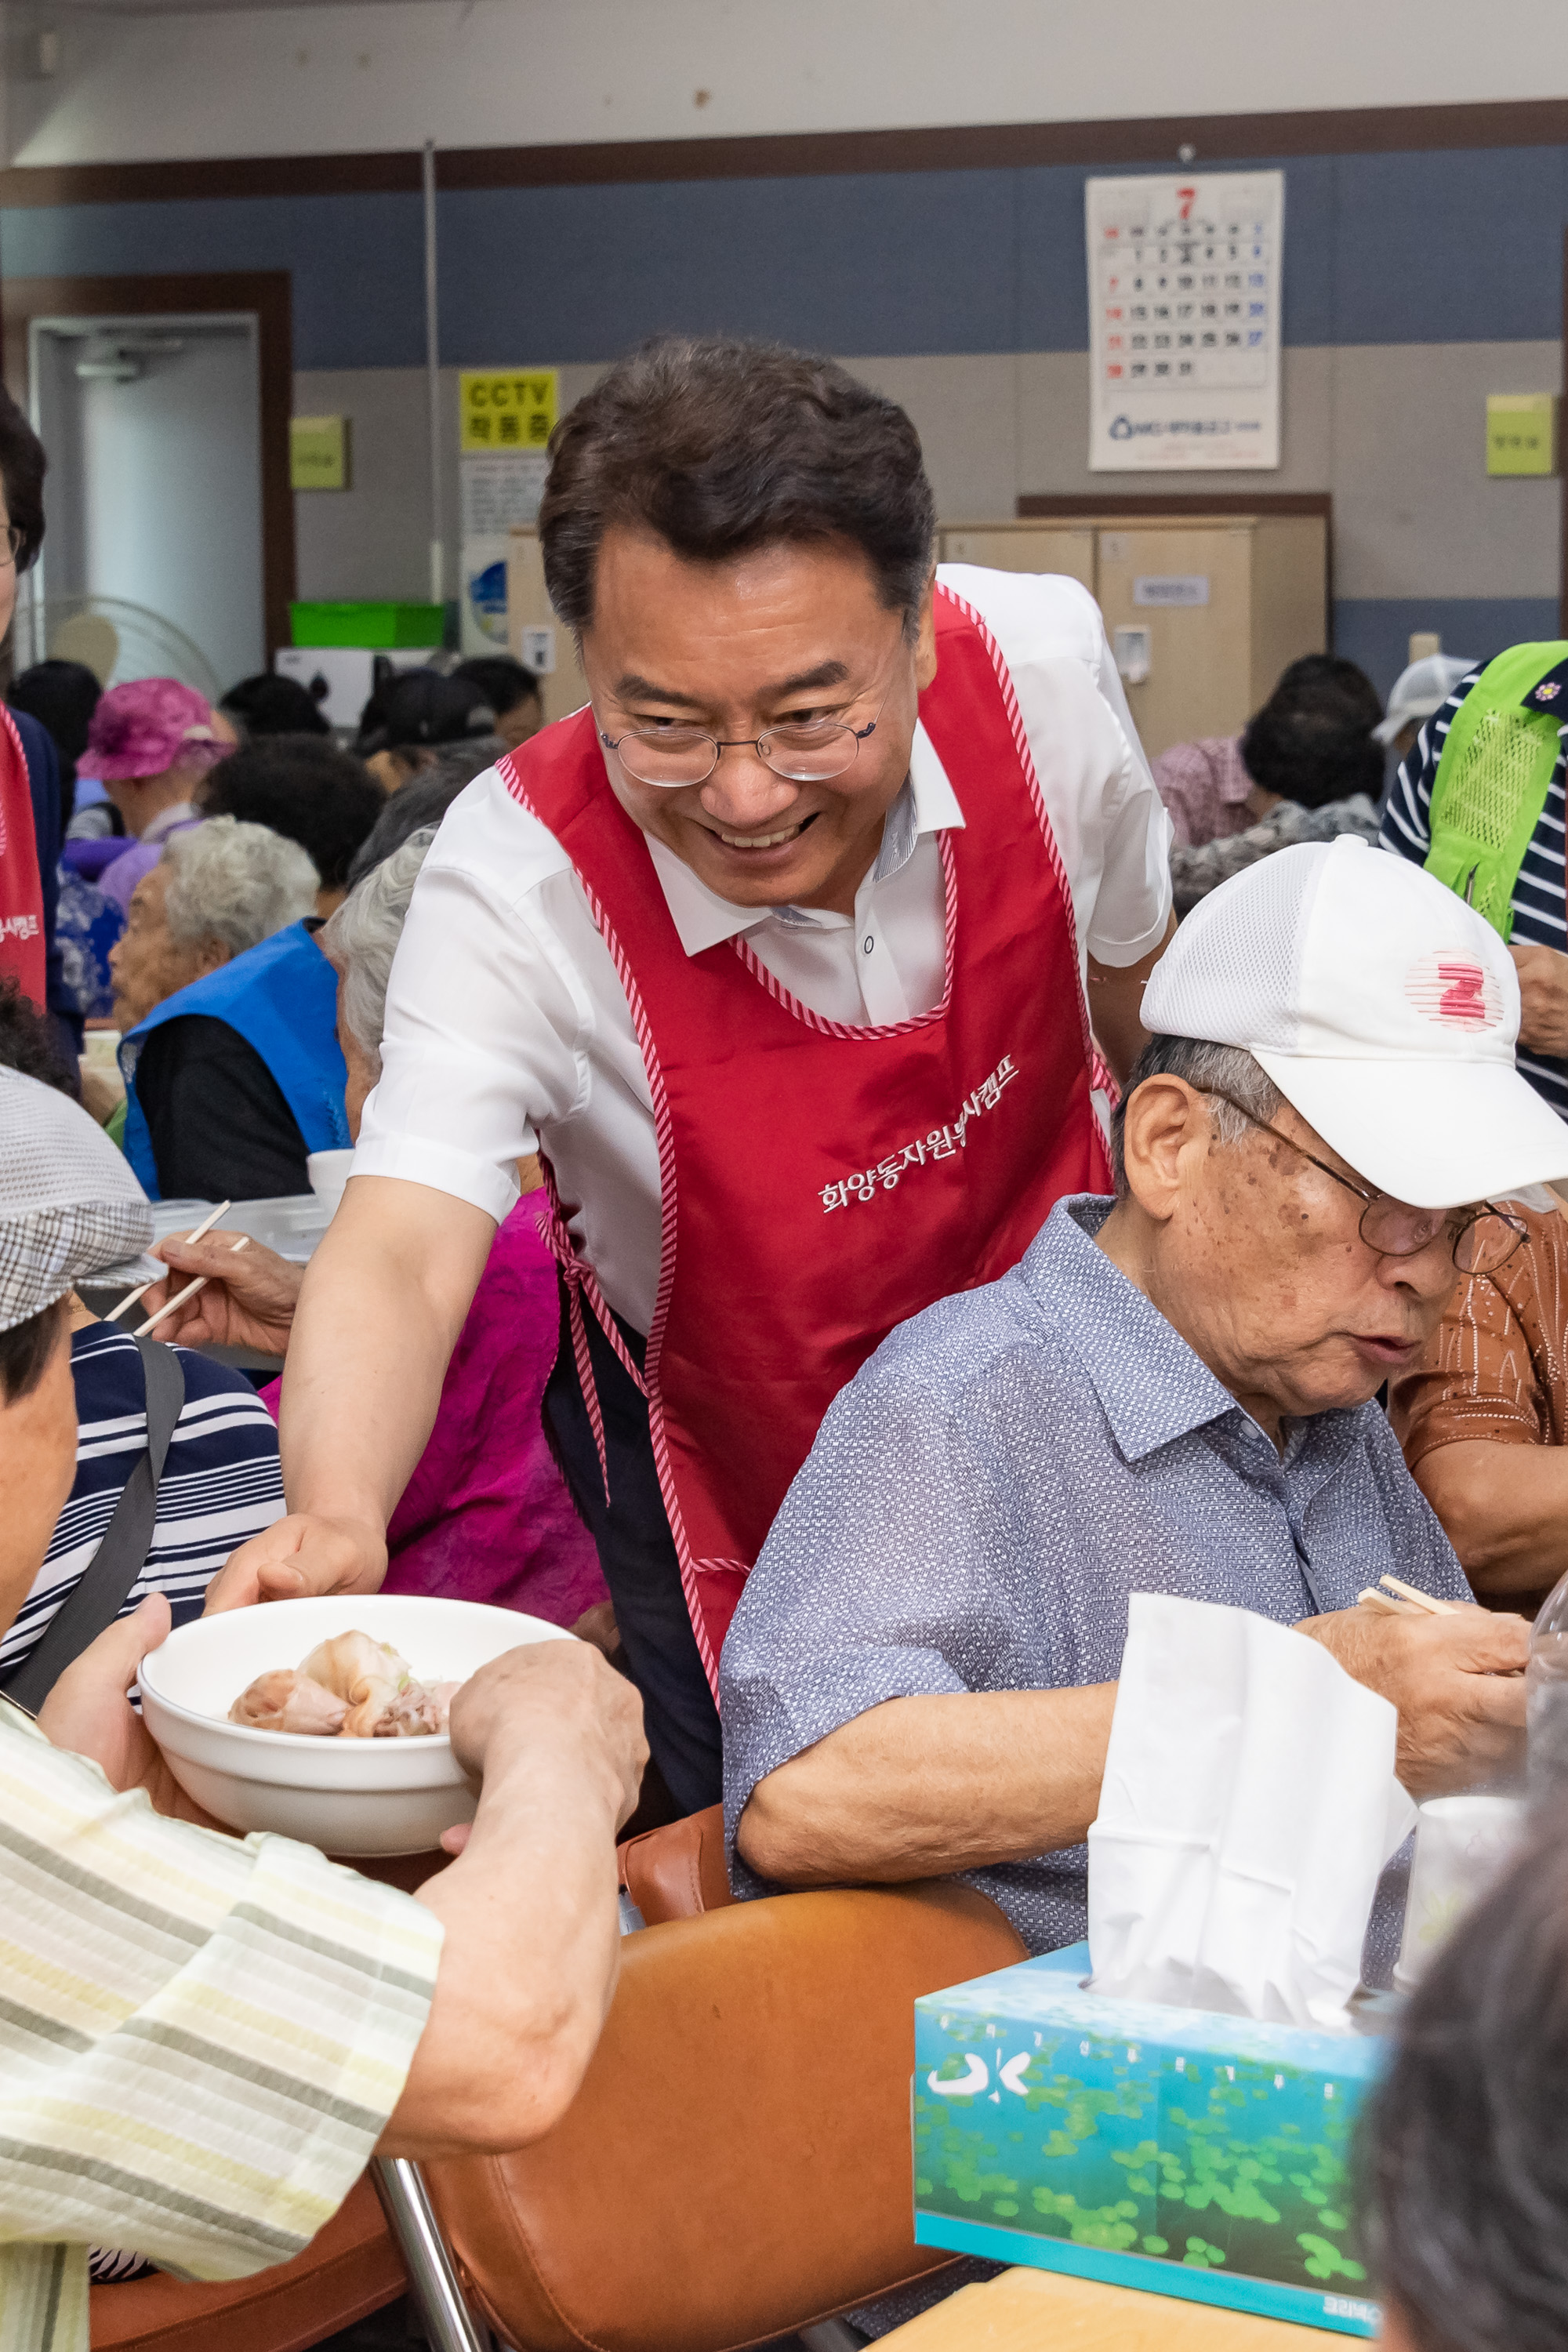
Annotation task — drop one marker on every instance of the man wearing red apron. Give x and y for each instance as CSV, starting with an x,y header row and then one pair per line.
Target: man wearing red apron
x,y
777,953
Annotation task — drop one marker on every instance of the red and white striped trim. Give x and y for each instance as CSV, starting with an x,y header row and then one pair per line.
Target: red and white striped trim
x,y
690,1568
791,1004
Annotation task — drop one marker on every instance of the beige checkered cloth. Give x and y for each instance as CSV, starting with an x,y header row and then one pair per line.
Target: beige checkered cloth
x,y
70,1205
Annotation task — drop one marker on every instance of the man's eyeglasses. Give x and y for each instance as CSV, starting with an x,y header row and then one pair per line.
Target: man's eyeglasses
x,y
811,753
1482,1239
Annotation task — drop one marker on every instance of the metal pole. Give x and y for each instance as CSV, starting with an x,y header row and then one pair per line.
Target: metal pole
x,y
449,2324
433,381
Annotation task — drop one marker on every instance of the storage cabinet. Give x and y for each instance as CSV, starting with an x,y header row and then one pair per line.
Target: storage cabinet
x,y
1226,602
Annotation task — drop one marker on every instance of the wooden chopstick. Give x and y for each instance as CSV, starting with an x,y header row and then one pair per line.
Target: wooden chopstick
x,y
196,1235
180,1296
1417,1599
1383,1602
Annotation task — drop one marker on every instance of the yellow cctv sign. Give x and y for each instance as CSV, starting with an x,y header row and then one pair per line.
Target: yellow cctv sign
x,y
507,408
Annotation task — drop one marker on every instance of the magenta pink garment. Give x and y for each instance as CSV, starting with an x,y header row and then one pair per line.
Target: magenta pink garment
x,y
485,1515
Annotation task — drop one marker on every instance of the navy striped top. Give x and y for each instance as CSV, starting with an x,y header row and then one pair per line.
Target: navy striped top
x,y
1540,913
222,1482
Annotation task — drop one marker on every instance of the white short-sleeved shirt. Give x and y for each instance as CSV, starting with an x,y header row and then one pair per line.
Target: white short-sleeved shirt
x,y
506,1029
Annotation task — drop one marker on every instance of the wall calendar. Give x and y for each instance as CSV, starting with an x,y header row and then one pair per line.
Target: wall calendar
x,y
1184,281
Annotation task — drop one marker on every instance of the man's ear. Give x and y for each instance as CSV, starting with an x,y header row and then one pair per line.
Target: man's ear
x,y
1166,1122
925,642
211,955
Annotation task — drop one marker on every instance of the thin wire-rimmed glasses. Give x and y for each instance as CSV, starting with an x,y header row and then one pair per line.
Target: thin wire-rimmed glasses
x,y
1482,1239
811,753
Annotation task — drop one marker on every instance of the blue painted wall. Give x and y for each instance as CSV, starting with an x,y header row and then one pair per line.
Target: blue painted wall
x,y
1380,248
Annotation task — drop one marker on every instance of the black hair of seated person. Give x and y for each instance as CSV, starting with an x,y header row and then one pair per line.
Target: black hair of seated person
x,y
1311,742
28,1041
303,787
271,704
502,682
62,696
1463,2153
417,707
720,446
26,1351
22,466
424,801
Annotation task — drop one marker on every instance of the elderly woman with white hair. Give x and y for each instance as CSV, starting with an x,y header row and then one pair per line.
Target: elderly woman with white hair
x,y
229,1054
486,1516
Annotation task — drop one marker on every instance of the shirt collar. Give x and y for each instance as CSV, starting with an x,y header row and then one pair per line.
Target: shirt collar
x,y
1152,1386
927,803
170,820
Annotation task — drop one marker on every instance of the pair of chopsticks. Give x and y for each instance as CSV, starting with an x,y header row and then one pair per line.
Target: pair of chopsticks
x,y
1400,1599
197,1234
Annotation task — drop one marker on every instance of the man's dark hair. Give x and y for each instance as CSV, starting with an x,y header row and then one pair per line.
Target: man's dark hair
x,y
28,1044
271,704
1464,2156
719,447
418,707
62,696
501,682
1311,741
26,1351
303,787
22,466
423,801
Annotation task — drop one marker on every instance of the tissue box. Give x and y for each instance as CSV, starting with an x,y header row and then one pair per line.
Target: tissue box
x,y
1171,2149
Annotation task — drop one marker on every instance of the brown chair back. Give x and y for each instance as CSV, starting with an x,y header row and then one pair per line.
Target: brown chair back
x,y
736,2164
350,2269
678,1871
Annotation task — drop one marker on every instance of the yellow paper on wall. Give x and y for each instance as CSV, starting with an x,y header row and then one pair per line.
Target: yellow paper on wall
x,y
319,453
1522,433
507,408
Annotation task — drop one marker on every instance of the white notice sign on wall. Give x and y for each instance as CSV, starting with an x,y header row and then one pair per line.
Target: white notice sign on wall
x,y
1184,321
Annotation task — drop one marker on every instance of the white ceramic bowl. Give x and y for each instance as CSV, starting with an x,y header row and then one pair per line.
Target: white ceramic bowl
x,y
346,1796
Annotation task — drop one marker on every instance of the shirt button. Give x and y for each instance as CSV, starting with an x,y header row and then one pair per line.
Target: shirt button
x,y
867,945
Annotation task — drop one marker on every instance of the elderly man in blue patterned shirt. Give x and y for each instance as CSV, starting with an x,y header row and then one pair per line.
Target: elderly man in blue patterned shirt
x,y
1172,1392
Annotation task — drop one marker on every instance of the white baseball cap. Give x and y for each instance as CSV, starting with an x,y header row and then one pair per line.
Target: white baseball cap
x,y
1420,690
1383,1009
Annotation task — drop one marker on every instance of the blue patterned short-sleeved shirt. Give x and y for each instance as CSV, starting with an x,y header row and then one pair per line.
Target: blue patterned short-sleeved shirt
x,y
987,1492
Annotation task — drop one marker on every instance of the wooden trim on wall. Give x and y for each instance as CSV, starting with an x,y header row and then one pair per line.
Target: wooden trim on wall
x,y
1180,502
264,293
970,147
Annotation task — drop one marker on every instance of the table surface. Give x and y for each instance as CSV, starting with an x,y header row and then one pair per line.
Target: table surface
x,y
1044,2311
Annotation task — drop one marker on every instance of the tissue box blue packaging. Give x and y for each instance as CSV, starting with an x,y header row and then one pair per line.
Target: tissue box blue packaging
x,y
1171,2149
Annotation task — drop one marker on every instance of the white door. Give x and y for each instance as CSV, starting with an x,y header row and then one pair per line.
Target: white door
x,y
153,427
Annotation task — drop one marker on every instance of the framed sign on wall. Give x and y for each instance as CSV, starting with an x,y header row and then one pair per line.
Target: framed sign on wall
x,y
1184,306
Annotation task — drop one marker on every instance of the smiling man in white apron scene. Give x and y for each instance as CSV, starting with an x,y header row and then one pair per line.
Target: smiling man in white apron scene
x,y
792,954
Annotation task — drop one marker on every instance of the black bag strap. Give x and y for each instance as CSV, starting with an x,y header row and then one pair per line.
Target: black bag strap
x,y
122,1554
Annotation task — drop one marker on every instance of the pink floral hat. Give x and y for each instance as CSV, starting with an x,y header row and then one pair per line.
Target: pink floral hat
x,y
148,726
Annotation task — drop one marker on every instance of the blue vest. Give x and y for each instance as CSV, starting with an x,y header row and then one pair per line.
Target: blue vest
x,y
282,998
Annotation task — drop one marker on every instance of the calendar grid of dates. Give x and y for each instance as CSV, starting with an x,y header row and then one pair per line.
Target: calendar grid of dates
x,y
1186,303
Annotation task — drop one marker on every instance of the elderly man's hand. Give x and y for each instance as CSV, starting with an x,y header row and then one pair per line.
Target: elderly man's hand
x,y
248,1302
1457,1681
88,1711
560,1696
1544,999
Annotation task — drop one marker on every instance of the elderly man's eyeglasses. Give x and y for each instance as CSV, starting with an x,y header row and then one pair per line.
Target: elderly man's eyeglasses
x,y
810,752
1482,1239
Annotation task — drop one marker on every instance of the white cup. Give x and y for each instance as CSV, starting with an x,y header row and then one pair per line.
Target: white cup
x,y
1461,1845
329,1172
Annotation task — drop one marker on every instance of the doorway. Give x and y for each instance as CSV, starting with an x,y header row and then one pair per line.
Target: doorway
x,y
153,429
163,402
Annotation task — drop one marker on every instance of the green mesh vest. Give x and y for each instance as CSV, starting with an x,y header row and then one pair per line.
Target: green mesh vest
x,y
1493,777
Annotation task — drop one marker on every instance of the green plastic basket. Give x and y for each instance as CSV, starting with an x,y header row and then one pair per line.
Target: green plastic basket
x,y
380,626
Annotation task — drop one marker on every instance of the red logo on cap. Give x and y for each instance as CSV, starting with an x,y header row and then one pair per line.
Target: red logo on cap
x,y
1454,991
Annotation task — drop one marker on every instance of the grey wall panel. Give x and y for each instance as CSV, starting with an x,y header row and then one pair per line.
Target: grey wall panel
x,y
1376,631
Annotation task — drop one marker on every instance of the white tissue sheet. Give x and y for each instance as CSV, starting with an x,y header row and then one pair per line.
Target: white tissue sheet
x,y
1248,1806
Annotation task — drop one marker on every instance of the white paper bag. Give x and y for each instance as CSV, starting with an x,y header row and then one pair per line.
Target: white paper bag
x,y
1248,1806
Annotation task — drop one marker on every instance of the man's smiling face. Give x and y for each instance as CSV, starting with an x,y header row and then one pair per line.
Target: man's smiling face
x,y
785,634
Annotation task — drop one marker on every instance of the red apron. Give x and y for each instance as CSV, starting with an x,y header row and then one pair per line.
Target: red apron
x,y
21,891
822,1182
